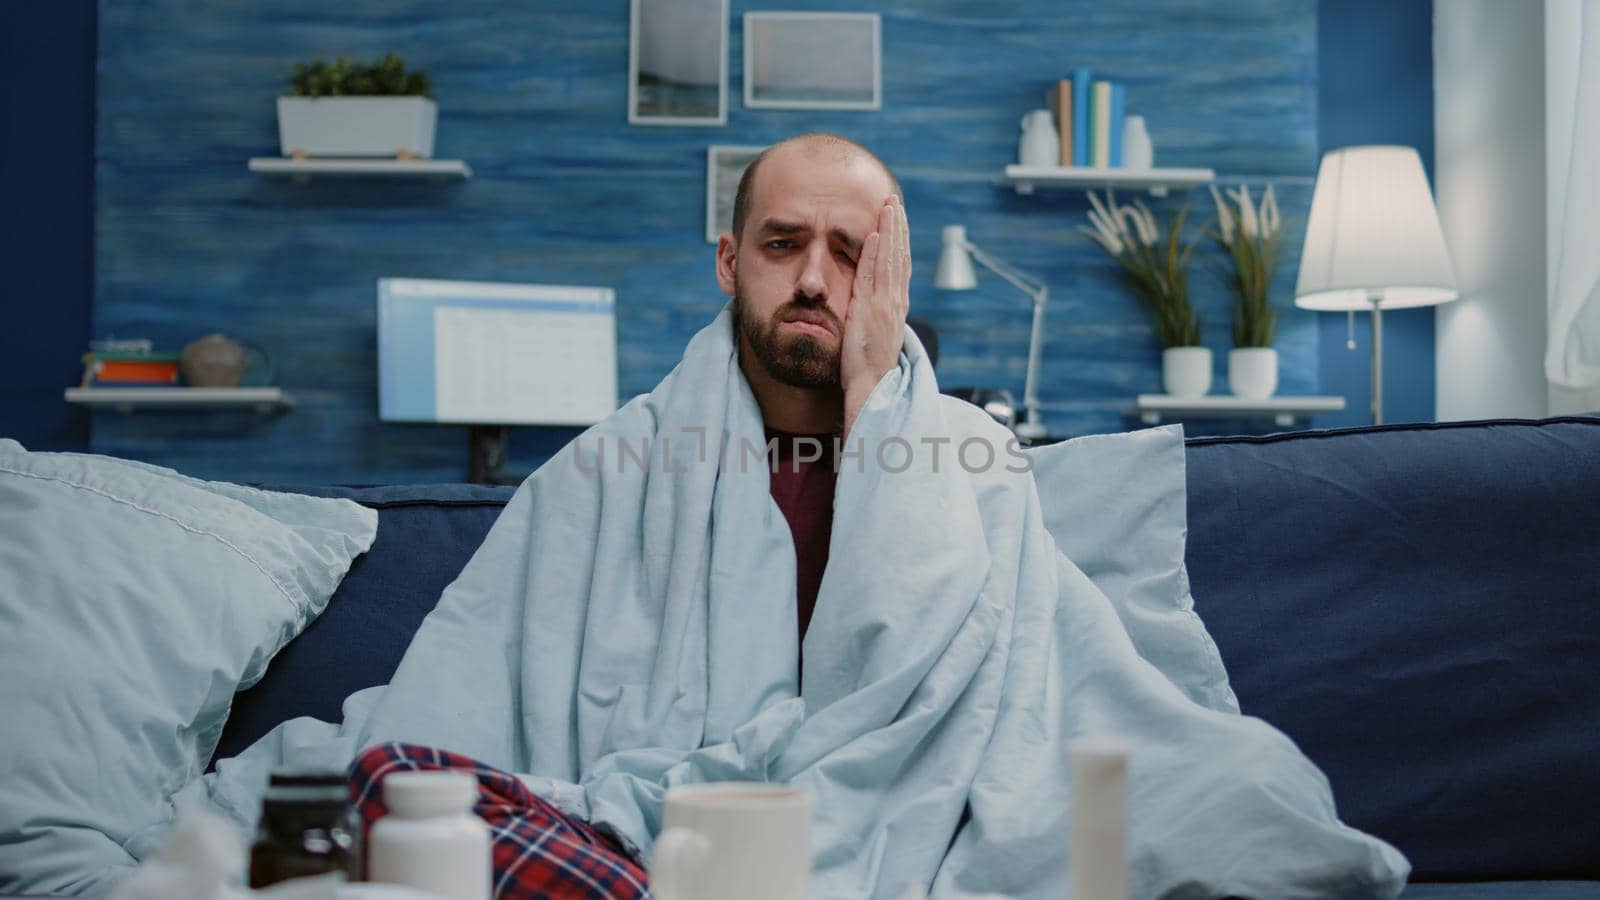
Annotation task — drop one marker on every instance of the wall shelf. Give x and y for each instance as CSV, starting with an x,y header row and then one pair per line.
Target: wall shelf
x,y
1157,181
306,169
1152,408
128,399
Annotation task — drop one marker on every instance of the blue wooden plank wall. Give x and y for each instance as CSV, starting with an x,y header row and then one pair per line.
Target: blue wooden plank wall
x,y
532,95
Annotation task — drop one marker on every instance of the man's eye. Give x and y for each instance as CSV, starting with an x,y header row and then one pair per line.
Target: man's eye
x,y
779,244
845,258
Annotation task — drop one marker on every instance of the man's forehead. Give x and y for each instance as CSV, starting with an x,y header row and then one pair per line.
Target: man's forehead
x,y
798,180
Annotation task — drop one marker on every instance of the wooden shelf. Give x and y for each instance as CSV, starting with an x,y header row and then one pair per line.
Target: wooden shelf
x,y
306,169
1152,408
1157,181
128,399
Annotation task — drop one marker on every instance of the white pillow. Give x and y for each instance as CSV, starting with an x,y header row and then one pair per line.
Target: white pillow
x,y
1117,505
134,603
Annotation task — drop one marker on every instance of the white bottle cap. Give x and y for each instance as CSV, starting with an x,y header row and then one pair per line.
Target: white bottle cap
x,y
418,795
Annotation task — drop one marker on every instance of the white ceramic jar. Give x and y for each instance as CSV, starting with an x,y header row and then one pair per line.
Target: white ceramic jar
x,y
1186,371
1253,372
1137,151
431,840
1039,144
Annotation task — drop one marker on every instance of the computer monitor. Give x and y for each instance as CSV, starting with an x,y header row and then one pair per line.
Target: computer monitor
x,y
492,354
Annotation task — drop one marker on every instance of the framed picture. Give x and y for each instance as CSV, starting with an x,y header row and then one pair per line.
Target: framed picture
x,y
803,60
725,165
678,62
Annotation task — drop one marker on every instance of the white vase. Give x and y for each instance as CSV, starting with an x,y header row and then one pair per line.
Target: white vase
x,y
1039,144
357,126
1137,151
1253,372
1186,371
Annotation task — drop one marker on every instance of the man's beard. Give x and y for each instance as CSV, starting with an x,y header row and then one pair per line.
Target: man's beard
x,y
795,360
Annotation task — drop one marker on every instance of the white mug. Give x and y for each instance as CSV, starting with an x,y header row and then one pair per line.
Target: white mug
x,y
733,841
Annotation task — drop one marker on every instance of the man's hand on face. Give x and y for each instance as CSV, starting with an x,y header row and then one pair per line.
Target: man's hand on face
x,y
874,325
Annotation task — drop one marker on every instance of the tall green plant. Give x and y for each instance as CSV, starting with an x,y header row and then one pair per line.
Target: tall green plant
x,y
1154,264
1249,236
343,78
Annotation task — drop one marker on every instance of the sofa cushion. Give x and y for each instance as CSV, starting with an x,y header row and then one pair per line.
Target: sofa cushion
x,y
134,603
426,534
1419,608
1504,890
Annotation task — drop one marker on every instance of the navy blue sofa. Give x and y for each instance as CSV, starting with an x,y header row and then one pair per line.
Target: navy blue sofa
x,y
1418,606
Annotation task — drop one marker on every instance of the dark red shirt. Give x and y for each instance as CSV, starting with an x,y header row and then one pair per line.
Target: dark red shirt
x,y
803,489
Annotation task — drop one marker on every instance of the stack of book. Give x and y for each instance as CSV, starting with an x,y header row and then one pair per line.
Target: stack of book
x,y
1089,117
129,368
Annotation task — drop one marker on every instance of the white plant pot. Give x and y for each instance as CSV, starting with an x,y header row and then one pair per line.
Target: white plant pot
x,y
1186,371
1253,372
357,126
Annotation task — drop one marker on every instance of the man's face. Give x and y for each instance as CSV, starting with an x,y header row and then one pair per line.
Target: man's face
x,y
792,270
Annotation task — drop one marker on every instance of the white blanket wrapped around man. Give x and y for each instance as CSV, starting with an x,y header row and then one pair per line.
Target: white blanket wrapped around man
x,y
629,624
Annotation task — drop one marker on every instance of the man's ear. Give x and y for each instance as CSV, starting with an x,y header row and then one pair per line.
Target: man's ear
x,y
727,259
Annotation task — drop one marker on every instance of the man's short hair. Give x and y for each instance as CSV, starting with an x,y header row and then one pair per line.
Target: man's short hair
x,y
846,149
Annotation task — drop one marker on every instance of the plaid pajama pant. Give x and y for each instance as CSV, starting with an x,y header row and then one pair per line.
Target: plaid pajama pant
x,y
540,853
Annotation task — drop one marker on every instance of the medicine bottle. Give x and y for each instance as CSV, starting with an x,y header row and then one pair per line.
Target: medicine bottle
x,y
430,839
308,827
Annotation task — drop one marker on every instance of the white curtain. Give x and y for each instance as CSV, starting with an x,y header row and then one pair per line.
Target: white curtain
x,y
1572,358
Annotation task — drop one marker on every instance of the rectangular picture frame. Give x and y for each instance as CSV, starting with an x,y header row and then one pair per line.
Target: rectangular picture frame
x,y
670,45
725,165
780,54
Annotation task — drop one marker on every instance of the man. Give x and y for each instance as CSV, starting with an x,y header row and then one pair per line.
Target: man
x,y
818,265
630,623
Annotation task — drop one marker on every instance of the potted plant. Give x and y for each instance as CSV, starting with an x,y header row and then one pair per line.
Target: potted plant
x,y
1249,235
345,108
1156,267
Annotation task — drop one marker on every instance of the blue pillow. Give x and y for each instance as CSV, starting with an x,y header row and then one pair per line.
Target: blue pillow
x,y
134,602
1116,505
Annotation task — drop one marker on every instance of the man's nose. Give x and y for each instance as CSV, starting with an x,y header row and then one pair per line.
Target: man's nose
x,y
813,281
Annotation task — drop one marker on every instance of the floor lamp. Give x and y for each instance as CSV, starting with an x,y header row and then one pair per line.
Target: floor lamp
x,y
1373,242
955,273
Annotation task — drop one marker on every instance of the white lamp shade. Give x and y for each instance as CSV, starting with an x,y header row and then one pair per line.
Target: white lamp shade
x,y
1373,229
954,272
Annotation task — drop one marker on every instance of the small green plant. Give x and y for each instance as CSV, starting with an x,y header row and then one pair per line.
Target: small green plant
x,y
1249,236
343,78
1156,266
